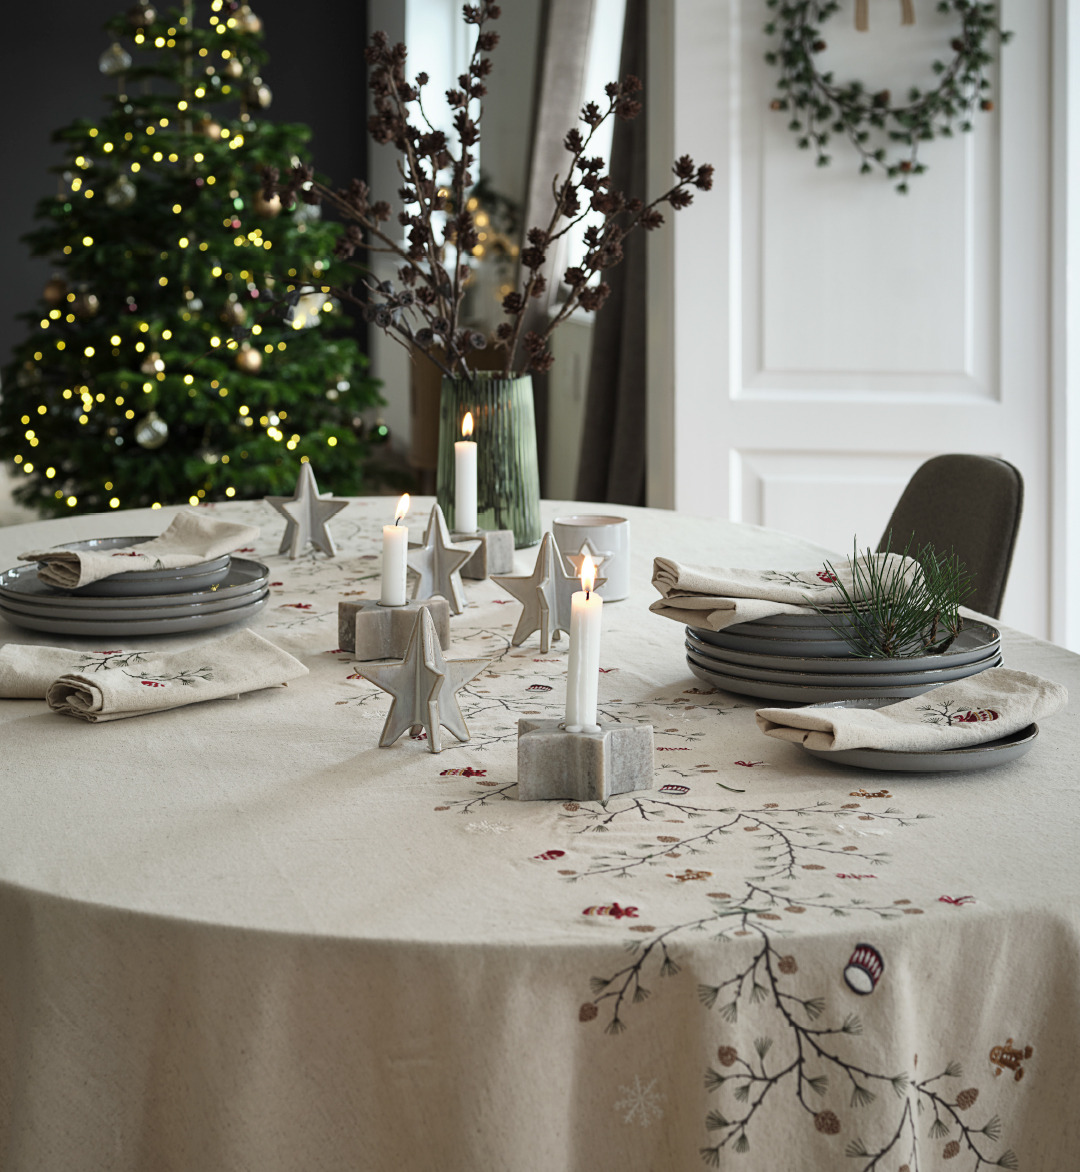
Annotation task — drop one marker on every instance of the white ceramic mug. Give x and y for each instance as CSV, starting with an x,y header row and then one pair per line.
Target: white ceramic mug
x,y
607,538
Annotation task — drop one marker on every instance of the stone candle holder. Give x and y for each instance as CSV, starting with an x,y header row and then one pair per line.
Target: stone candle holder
x,y
373,631
582,766
495,555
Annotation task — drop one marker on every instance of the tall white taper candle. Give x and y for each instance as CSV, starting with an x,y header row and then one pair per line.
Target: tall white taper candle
x,y
583,669
395,546
465,479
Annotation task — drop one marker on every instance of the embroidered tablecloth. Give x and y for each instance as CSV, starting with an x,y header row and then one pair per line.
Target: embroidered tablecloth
x,y
238,935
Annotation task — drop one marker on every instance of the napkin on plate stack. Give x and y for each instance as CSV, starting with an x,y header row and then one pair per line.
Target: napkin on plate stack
x,y
111,685
982,707
191,537
718,598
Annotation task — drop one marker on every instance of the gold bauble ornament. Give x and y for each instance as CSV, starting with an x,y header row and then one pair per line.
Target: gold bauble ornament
x,y
234,313
266,207
120,193
210,128
249,359
85,305
55,291
152,363
141,15
151,431
233,67
258,93
247,21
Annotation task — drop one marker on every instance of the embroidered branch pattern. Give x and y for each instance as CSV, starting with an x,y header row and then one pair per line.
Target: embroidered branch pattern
x,y
187,677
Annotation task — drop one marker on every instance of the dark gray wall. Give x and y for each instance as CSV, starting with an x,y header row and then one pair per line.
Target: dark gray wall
x,y
49,76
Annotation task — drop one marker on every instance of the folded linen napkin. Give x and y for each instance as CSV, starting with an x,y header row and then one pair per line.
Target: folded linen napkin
x,y
190,538
982,707
718,598
27,671
161,680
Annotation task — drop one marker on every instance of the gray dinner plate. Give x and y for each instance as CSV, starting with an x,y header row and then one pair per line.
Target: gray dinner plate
x,y
861,671
975,641
133,613
967,759
801,693
198,576
21,589
834,679
123,629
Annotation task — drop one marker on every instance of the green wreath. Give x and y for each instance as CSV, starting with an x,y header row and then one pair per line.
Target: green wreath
x,y
821,108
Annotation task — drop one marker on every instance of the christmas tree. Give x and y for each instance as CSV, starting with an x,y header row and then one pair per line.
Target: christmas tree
x,y
187,348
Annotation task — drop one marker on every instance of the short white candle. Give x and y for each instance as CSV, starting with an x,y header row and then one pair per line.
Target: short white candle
x,y
395,546
583,669
465,479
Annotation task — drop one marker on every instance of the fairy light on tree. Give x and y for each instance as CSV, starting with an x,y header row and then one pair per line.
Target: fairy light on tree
x,y
173,287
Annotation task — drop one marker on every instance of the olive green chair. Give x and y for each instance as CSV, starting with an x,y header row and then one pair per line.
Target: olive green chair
x,y
968,504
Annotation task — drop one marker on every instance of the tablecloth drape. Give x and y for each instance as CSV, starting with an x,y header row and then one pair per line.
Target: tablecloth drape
x,y
239,935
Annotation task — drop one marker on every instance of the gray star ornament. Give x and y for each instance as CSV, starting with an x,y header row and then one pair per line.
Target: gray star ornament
x,y
438,562
307,514
545,595
424,687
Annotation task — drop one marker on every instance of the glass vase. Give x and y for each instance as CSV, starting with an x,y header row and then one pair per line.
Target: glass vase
x,y
508,470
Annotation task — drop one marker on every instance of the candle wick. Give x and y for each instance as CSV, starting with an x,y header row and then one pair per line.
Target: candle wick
x,y
587,592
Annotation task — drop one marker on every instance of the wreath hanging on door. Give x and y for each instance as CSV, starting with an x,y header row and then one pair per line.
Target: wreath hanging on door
x,y
821,108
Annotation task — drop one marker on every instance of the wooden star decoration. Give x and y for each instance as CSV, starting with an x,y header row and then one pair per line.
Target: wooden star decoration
x,y
438,562
307,514
424,687
600,557
545,595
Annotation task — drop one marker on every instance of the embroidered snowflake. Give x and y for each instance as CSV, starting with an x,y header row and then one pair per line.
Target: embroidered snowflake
x,y
486,827
640,1102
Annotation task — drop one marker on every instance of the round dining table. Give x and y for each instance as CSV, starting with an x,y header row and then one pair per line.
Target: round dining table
x,y
240,935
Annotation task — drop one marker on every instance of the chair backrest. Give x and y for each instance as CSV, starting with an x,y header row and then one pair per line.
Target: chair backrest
x,y
970,505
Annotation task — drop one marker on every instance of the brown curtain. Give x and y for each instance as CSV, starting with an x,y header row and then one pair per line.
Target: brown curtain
x,y
565,28
612,466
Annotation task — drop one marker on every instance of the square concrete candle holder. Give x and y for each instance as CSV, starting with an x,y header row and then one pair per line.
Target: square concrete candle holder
x,y
583,766
495,555
373,631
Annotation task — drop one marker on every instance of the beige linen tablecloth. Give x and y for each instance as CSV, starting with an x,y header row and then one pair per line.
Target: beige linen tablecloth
x,y
241,936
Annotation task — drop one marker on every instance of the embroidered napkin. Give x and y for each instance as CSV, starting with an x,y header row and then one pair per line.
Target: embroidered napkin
x,y
156,681
27,671
980,708
190,538
718,598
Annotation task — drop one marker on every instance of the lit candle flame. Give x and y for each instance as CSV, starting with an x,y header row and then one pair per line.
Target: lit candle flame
x,y
588,574
402,509
467,424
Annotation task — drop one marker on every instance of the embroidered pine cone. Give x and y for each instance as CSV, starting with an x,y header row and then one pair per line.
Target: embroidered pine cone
x,y
571,806
587,1012
952,1148
727,1055
788,965
827,1123
967,1098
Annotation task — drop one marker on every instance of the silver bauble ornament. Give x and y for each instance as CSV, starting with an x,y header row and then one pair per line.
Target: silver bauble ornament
x,y
233,67
85,305
121,192
152,363
114,60
141,15
151,431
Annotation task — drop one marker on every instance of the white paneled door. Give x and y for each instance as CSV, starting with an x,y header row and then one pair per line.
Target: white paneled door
x,y
815,336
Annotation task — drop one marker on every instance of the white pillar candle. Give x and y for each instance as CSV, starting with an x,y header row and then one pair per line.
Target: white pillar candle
x,y
465,479
583,669
395,546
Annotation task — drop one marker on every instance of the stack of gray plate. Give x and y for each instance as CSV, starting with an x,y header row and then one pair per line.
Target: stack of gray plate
x,y
147,602
803,658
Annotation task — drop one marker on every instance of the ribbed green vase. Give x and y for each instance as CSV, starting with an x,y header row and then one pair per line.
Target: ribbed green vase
x,y
508,471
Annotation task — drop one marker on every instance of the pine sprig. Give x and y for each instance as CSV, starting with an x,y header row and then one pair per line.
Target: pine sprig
x,y
898,608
